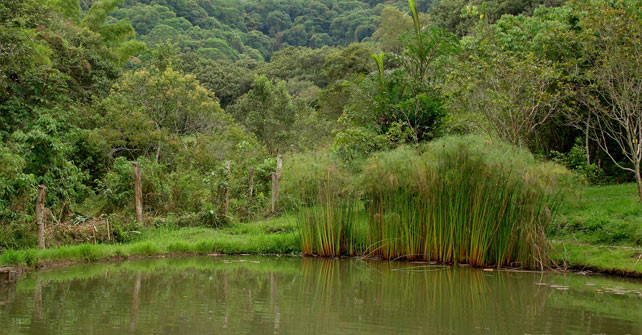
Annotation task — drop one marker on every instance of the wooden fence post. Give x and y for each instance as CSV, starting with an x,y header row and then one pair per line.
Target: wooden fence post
x,y
276,177
40,215
138,193
251,182
227,187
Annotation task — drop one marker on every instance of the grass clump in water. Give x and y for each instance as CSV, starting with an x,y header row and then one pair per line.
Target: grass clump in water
x,y
461,200
456,200
328,210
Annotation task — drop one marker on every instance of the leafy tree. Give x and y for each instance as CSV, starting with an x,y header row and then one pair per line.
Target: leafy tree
x,y
408,96
340,67
296,35
228,80
392,25
260,42
254,25
515,96
149,108
319,40
460,16
301,63
612,42
269,112
117,35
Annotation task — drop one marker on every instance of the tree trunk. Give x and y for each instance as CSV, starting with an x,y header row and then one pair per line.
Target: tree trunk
x,y
638,180
227,187
40,215
138,193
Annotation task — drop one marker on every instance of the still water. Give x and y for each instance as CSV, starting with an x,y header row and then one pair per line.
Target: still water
x,y
292,295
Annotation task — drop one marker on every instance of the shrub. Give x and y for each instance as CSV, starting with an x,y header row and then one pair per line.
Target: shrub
x,y
576,161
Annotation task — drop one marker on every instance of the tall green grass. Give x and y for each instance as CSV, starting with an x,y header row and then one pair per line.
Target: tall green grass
x,y
328,217
456,200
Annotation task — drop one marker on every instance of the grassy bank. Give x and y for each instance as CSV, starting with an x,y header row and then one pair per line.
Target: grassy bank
x,y
274,236
595,229
600,228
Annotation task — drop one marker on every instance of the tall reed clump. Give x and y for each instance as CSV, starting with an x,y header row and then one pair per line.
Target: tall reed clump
x,y
328,212
329,227
460,200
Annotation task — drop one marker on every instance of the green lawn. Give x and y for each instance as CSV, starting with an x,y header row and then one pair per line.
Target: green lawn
x,y
601,215
600,228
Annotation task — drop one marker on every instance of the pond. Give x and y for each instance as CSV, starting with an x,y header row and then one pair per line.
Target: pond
x,y
293,295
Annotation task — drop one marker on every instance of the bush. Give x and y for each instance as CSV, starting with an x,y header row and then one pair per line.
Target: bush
x,y
125,231
576,161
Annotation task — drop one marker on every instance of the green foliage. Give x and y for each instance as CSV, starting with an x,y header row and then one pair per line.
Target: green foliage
x,y
576,160
460,16
405,103
163,191
356,143
253,29
228,80
329,229
47,158
304,173
268,111
464,199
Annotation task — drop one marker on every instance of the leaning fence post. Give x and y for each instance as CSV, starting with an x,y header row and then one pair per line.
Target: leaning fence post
x,y
276,177
138,193
251,182
40,215
227,187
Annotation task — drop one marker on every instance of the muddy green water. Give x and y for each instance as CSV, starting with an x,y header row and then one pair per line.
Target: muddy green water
x,y
292,295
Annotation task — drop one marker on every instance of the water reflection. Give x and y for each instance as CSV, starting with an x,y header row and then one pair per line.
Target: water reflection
x,y
135,303
290,295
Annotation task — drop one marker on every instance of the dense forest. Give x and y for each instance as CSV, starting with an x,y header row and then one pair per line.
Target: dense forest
x,y
181,86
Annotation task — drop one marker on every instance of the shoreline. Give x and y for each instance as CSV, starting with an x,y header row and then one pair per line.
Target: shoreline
x,y
45,265
280,236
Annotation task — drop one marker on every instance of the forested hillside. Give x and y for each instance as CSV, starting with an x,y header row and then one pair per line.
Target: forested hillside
x,y
181,86
227,29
